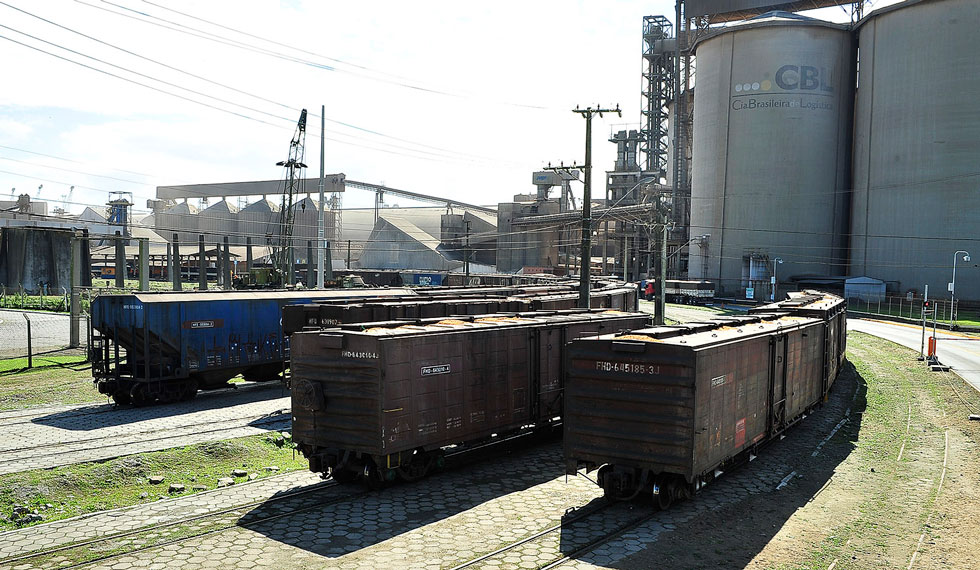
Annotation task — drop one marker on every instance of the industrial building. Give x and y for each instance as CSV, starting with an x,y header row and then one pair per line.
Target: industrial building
x,y
822,152
809,153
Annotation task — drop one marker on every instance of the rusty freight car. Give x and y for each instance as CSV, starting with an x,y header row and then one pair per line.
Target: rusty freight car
x,y
445,303
382,403
660,410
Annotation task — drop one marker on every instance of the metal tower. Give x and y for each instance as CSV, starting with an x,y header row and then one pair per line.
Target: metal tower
x,y
282,256
658,79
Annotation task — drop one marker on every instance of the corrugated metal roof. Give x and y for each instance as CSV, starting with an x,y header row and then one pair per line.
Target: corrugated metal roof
x,y
412,231
261,206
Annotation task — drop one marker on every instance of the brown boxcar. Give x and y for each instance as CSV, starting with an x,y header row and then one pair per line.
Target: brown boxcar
x,y
383,402
661,409
443,303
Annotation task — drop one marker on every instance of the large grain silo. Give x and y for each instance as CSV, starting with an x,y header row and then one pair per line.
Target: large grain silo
x,y
259,221
771,149
219,220
180,218
917,147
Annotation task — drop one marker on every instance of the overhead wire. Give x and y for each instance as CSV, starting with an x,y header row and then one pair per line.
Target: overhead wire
x,y
231,88
393,79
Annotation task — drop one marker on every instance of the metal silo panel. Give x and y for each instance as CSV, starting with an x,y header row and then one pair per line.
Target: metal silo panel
x,y
917,146
771,152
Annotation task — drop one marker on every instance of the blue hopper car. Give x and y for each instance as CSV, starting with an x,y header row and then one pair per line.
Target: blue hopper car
x,y
150,347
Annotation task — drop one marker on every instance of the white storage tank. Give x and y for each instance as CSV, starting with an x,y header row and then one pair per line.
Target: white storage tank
x,y
917,147
771,150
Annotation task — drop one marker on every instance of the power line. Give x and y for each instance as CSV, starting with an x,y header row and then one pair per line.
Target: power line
x,y
216,83
195,32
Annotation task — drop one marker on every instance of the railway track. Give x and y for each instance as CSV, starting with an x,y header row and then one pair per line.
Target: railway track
x,y
13,418
109,547
578,534
249,515
113,446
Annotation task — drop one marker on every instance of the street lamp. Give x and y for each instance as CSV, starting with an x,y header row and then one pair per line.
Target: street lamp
x,y
952,288
772,292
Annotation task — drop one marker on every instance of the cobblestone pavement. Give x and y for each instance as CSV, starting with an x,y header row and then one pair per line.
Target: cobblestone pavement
x,y
457,516
36,439
106,523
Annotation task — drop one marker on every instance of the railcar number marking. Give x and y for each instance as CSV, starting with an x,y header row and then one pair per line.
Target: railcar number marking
x,y
627,367
718,380
438,369
353,354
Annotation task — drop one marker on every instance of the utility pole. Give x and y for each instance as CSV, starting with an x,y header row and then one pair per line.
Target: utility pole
x,y
466,254
586,254
319,223
662,274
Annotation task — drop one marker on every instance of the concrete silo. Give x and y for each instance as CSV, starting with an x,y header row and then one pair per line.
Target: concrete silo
x,y
180,218
771,150
217,221
259,220
917,147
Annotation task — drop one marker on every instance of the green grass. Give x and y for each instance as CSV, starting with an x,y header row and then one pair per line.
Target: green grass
x,y
887,511
61,380
91,487
17,365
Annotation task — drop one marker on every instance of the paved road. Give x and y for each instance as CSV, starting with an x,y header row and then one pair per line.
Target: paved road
x,y
48,331
44,438
959,351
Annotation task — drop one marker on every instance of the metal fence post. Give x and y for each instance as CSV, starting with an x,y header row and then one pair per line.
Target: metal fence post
x,y
30,355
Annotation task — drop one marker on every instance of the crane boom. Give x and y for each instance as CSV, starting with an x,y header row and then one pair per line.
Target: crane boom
x,y
282,258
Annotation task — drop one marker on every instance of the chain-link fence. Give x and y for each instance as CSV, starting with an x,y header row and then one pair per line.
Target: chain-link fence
x,y
912,307
35,330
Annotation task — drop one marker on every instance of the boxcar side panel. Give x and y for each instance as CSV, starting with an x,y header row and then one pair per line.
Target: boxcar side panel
x,y
732,400
804,368
629,404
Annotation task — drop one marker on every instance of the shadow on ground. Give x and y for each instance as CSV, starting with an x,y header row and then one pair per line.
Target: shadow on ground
x,y
361,519
735,517
107,415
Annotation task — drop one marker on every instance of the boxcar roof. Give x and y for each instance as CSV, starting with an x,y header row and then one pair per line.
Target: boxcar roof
x,y
724,332
191,296
468,323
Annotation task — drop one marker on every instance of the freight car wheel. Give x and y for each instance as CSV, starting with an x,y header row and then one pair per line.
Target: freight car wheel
x,y
342,475
122,398
188,390
139,396
663,495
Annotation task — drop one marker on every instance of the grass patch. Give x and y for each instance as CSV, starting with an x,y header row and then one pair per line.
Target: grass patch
x,y
897,495
91,487
55,380
15,365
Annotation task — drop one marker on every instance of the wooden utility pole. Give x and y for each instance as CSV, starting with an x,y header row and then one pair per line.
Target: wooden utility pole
x,y
586,254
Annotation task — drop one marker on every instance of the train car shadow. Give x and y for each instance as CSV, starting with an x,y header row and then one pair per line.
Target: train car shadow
x,y
109,415
350,520
735,517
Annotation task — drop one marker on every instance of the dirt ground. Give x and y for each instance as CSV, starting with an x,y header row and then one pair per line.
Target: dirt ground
x,y
897,486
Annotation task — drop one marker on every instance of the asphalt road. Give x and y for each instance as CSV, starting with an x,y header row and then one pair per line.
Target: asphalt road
x,y
958,351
